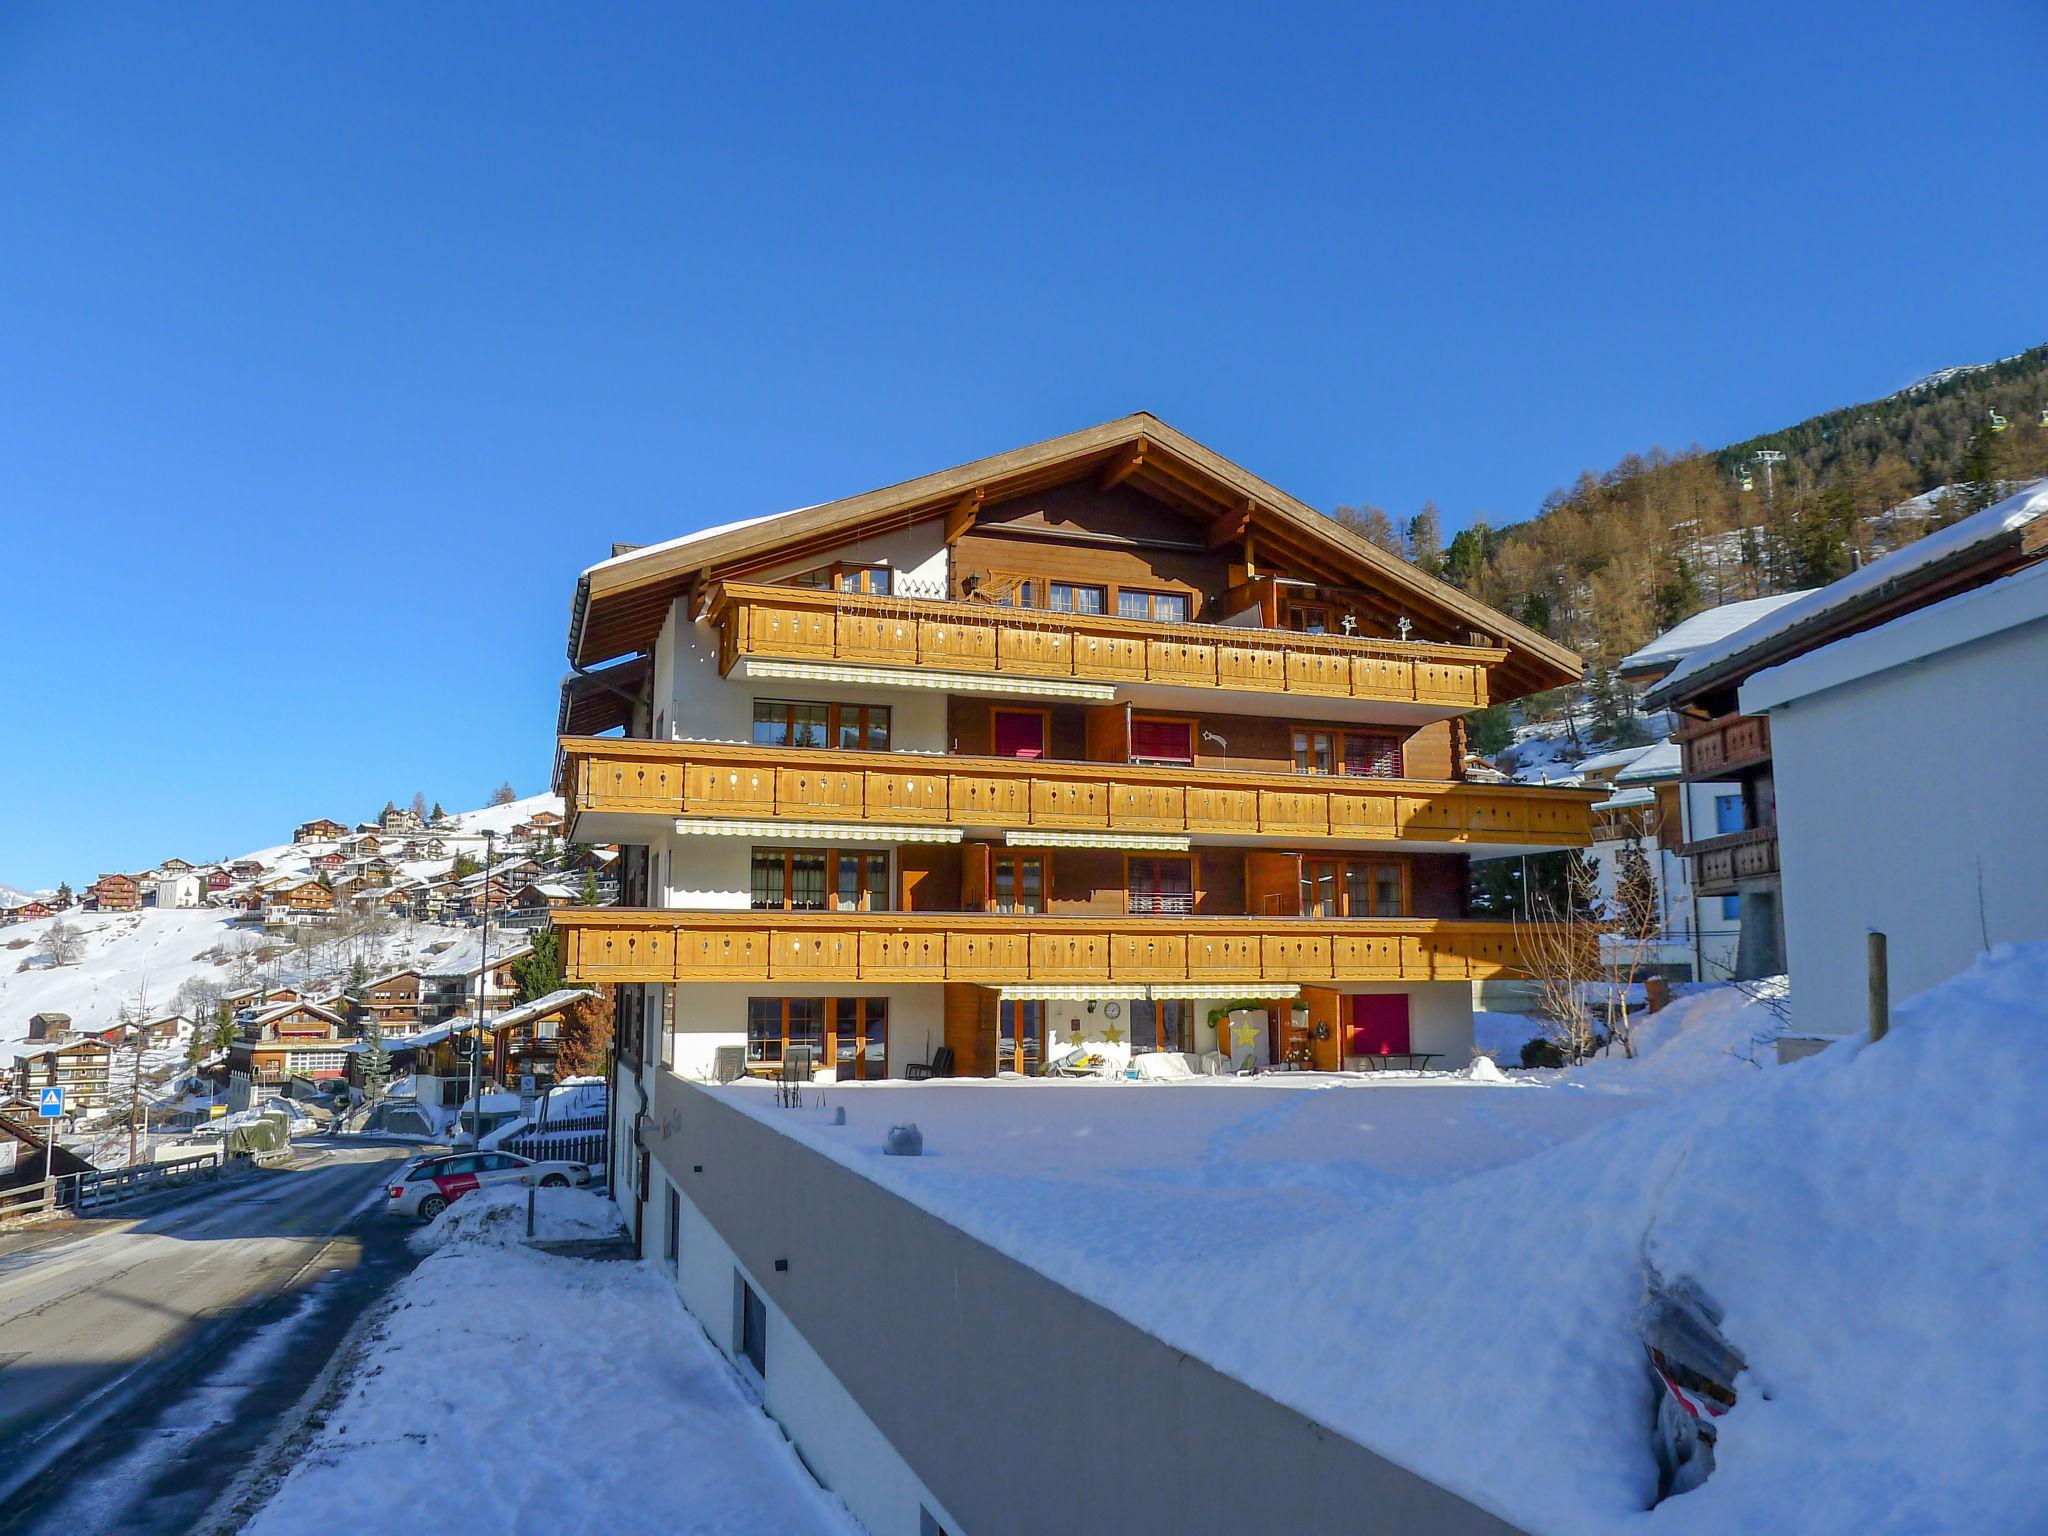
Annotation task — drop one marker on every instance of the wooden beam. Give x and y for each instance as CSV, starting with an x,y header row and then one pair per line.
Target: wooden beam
x,y
1122,466
1230,527
961,517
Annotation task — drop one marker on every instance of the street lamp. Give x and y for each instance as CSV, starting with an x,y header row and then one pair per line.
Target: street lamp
x,y
483,982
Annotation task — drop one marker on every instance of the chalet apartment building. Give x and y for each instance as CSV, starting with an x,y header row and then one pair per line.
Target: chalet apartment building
x,y
1101,741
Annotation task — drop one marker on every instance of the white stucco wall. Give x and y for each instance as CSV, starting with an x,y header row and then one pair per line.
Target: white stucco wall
x,y
1910,801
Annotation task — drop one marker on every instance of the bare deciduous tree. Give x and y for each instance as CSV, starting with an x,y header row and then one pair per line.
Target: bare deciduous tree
x,y
1561,947
61,943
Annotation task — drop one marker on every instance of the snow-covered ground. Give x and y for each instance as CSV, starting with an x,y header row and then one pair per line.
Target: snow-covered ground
x,y
1468,1257
460,1403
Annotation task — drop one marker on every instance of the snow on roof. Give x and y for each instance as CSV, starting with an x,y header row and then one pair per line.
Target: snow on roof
x,y
540,1007
1687,636
467,958
1661,761
1626,799
2016,600
1943,544
683,541
1601,763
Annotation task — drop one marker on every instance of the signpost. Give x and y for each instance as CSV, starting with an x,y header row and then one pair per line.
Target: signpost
x,y
49,1110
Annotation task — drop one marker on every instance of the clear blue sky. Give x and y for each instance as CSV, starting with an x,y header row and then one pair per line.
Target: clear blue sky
x,y
334,339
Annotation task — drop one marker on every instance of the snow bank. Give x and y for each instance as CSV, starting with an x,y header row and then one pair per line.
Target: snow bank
x,y
458,1406
497,1216
1469,1260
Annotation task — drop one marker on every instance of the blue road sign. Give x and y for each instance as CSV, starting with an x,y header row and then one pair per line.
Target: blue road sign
x,y
50,1104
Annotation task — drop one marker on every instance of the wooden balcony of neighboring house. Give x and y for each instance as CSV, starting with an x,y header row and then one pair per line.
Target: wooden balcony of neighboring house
x,y
1725,745
718,783
1721,864
625,944
768,630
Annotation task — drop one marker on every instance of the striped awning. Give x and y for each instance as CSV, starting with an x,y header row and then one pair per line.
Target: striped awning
x,y
945,682
1053,992
1219,991
814,831
1137,842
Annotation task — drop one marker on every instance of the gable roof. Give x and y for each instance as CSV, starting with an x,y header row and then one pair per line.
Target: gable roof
x,y
620,603
1657,657
1981,547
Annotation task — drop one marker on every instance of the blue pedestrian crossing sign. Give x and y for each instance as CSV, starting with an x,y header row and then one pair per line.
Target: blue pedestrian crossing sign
x,y
50,1104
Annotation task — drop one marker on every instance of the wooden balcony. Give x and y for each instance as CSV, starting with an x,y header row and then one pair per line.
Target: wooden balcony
x,y
801,625
1719,864
613,776
1713,749
625,944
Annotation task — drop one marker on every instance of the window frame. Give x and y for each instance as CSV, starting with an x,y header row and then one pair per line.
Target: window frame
x,y
1344,864
783,1009
1152,597
1158,903
1017,858
997,711
872,895
1304,739
868,715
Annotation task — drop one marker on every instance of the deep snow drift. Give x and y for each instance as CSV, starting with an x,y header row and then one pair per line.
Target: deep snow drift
x,y
1467,1258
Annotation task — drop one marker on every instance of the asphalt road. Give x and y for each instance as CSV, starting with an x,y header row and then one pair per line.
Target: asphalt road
x,y
149,1365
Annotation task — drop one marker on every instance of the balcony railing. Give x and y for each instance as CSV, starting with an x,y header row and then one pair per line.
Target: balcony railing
x,y
799,624
1720,862
610,776
1724,744
628,944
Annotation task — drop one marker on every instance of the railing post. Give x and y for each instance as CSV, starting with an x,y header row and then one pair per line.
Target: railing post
x,y
1880,987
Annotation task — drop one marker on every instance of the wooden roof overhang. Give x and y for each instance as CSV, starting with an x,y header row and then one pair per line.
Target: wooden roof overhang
x,y
621,604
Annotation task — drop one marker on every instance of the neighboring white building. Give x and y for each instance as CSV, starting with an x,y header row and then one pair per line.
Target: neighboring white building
x,y
179,890
1943,852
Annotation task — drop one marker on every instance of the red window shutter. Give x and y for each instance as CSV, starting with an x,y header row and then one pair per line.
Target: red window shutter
x,y
1019,734
1167,741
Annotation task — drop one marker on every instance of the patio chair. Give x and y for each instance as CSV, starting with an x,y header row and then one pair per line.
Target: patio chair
x,y
941,1066
728,1063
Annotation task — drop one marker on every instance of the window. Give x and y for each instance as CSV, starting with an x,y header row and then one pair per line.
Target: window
x,y
1308,618
863,728
1161,1026
1019,883
798,880
673,1246
1160,607
774,1024
860,1038
800,723
863,882
1352,888
1360,754
782,723
1163,741
1727,813
871,579
1019,733
1020,1037
1731,909
1067,597
1160,885
753,1329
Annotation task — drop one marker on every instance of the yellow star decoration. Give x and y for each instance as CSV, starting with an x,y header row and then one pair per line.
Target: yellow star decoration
x,y
1112,1034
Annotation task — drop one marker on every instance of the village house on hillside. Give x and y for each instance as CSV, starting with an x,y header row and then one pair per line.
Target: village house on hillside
x,y
321,830
49,1027
394,999
82,1068
116,893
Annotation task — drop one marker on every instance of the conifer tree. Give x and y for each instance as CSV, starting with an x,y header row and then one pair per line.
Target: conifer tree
x,y
376,1063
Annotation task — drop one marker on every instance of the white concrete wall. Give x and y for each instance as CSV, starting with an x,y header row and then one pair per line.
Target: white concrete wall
x,y
837,1440
711,1014
1439,1017
1911,802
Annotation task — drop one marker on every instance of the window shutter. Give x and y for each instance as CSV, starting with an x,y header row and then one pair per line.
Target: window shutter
x,y
1373,757
1170,741
1019,735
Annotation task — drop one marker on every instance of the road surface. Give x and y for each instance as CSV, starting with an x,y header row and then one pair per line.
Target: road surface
x,y
150,1364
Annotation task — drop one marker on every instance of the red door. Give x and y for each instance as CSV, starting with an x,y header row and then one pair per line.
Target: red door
x,y
1019,733
1379,1025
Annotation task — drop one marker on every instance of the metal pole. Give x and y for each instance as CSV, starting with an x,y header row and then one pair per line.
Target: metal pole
x,y
49,1165
483,982
1880,988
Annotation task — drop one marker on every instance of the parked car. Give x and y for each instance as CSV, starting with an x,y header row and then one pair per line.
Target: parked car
x,y
425,1188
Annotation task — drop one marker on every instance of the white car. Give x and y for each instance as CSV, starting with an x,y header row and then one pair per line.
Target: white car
x,y
425,1189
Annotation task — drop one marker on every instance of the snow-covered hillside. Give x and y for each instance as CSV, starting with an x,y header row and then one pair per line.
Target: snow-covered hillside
x,y
14,896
